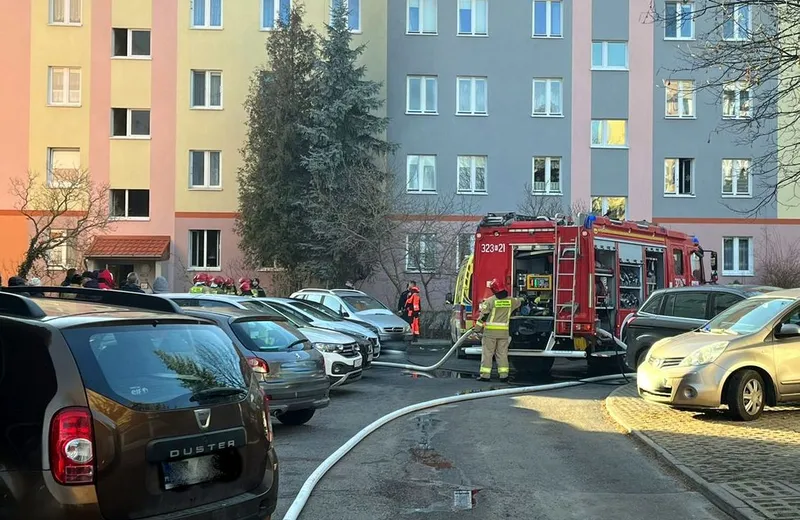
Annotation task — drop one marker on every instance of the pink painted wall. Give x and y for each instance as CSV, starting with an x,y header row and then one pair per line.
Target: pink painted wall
x,y
100,93
581,111
231,257
640,113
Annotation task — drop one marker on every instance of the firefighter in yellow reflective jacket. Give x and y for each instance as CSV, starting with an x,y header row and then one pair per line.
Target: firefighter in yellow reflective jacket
x,y
495,316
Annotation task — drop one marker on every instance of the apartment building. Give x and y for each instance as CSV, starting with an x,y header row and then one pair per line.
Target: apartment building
x,y
148,96
489,99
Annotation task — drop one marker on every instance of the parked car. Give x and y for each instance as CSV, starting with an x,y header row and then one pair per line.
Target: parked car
x,y
342,355
119,405
349,303
669,312
746,358
290,371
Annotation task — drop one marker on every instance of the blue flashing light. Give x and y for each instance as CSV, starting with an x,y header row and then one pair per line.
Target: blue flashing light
x,y
695,241
589,221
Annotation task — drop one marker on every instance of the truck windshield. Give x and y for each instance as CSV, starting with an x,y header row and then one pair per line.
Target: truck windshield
x,y
747,316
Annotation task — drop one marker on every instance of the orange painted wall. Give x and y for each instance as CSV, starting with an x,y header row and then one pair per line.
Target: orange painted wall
x,y
14,238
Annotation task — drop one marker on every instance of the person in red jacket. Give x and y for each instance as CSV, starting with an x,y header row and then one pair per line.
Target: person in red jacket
x,y
413,311
105,280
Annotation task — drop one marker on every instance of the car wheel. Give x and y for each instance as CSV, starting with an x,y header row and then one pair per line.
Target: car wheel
x,y
746,395
296,417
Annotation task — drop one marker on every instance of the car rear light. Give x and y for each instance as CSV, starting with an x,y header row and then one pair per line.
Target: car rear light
x,y
267,420
259,367
72,446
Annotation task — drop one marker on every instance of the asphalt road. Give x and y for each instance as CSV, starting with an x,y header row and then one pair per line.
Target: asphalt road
x,y
549,456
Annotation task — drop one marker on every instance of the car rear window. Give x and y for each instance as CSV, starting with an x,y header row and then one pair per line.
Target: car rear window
x,y
363,303
159,367
266,336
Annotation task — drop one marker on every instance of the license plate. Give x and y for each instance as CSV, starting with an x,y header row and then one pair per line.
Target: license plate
x,y
188,472
358,362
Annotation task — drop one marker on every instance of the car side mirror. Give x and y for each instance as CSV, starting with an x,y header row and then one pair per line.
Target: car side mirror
x,y
344,313
787,330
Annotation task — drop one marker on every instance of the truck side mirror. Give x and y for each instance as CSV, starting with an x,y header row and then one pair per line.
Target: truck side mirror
x,y
448,299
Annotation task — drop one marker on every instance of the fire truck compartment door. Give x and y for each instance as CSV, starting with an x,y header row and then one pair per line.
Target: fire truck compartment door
x,y
605,245
529,325
630,254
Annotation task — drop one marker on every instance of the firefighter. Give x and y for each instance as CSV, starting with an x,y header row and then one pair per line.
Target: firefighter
x,y
200,284
217,285
413,311
230,286
244,287
495,316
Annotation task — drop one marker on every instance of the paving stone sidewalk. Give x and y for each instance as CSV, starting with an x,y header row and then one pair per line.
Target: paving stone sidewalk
x,y
751,470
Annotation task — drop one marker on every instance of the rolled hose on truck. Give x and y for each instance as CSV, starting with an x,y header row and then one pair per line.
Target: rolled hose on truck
x,y
308,487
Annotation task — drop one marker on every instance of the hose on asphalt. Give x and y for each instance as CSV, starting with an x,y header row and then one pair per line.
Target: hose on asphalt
x,y
431,368
308,487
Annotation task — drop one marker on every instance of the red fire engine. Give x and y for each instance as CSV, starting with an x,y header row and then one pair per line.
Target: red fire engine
x,y
579,280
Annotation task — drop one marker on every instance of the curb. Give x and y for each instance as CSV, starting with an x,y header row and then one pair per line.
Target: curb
x,y
721,498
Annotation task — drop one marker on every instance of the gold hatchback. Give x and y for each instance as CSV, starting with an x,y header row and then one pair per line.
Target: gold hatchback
x,y
747,357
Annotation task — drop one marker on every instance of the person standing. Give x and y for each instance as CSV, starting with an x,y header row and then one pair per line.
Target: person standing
x,y
401,303
495,316
413,310
160,285
132,284
68,278
258,291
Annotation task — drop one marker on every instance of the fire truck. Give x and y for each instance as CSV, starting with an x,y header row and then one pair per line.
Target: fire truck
x,y
579,280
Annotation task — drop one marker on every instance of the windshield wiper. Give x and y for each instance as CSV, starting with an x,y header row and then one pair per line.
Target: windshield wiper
x,y
217,391
295,343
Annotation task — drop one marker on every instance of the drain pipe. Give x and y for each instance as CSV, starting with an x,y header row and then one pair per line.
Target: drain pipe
x,y
308,487
431,368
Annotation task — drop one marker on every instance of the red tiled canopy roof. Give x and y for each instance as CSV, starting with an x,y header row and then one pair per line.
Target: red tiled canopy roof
x,y
140,246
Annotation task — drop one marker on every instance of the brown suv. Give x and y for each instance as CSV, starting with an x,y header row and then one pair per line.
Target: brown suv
x,y
118,405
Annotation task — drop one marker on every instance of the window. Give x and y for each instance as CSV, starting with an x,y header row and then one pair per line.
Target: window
x,y
737,256
205,169
66,12
472,173
422,17
353,12
206,14
653,305
61,256
736,179
130,204
421,252
65,86
471,96
737,22
274,11
131,43
612,207
679,176
128,122
687,304
610,55
677,261
421,173
465,245
679,21
724,300
204,247
206,89
547,97
610,133
680,99
62,163
736,101
473,17
421,95
547,175
547,20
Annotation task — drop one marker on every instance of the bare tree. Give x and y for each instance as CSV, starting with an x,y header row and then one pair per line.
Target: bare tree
x,y
746,54
779,265
546,205
64,208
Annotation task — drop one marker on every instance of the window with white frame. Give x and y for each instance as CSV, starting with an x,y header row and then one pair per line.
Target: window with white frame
x,y
130,122
547,19
610,133
472,173
737,256
129,204
546,176
65,86
131,43
473,17
353,8
205,248
736,101
66,12
206,14
680,99
679,20
465,245
421,252
422,17
206,89
205,169
421,173
472,96
274,12
737,21
547,97
62,165
679,176
610,55
736,178
612,207
422,95
62,254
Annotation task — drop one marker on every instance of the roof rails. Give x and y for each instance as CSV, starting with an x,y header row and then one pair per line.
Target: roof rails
x,y
13,299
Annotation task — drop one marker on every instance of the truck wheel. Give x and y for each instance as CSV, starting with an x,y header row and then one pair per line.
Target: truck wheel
x,y
533,366
296,417
746,395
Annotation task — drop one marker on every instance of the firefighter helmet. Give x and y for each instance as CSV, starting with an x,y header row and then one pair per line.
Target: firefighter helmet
x,y
217,281
244,286
201,278
497,286
229,281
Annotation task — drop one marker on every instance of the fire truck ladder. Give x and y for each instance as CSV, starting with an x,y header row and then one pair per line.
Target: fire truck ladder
x,y
565,267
